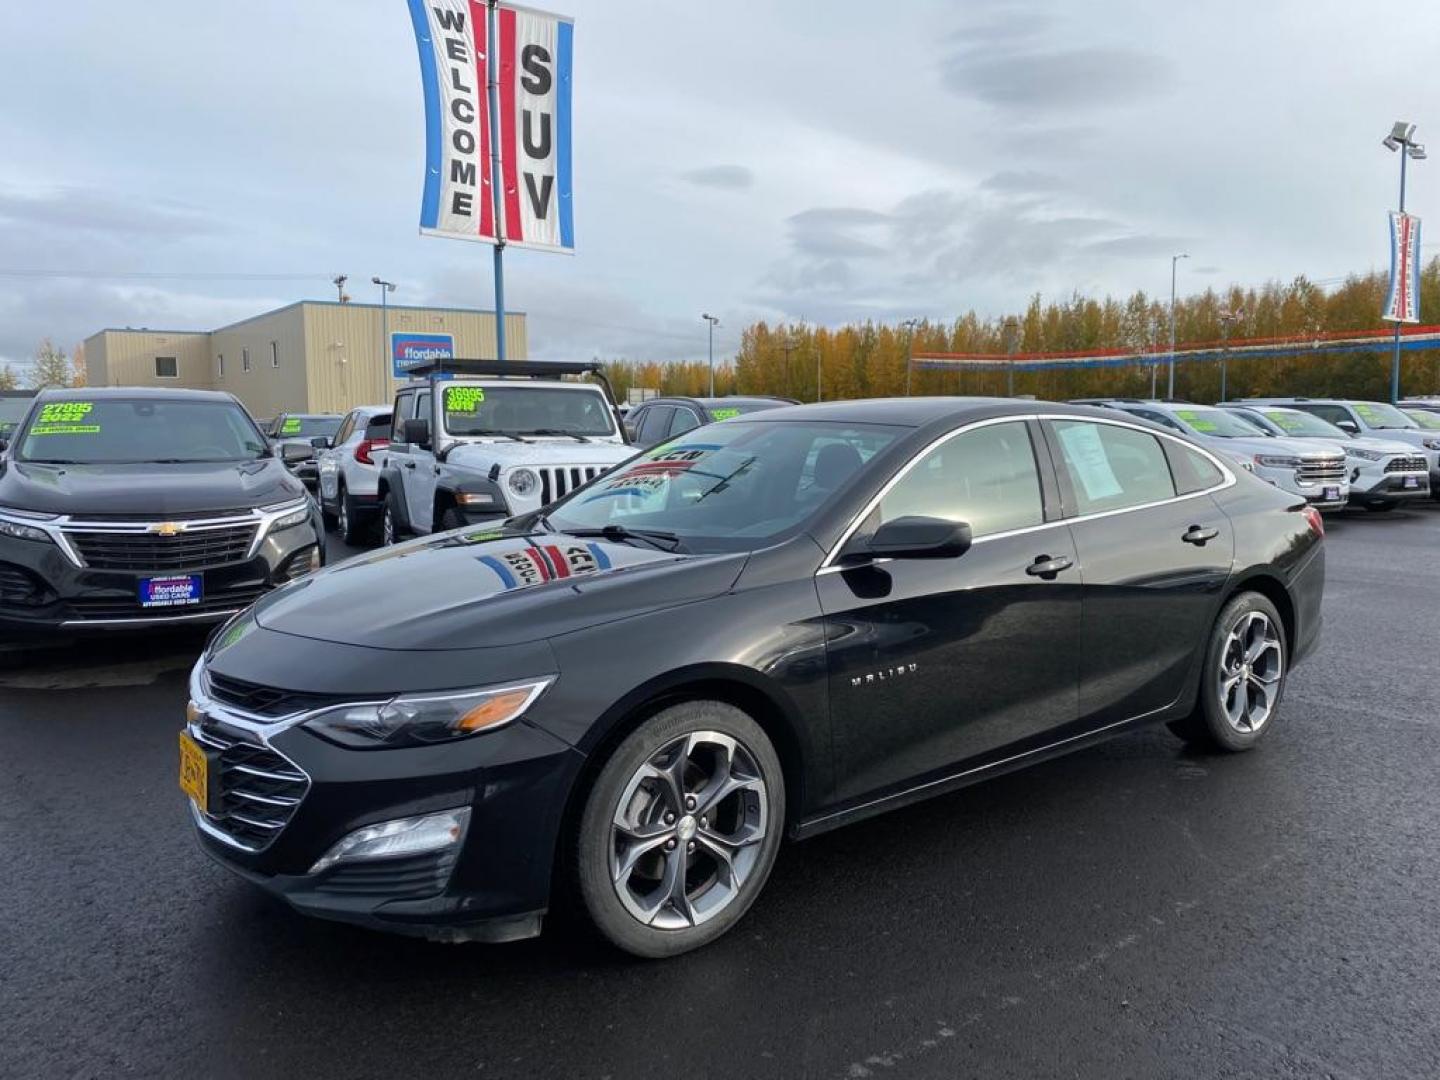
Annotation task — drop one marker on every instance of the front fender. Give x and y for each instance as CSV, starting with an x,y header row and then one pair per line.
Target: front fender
x,y
390,480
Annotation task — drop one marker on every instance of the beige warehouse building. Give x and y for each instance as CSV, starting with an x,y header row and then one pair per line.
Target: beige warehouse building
x,y
311,356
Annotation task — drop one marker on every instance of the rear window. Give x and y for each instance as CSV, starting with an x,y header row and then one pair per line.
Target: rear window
x,y
307,427
378,427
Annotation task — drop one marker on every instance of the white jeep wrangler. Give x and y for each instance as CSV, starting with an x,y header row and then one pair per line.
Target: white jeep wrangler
x,y
478,440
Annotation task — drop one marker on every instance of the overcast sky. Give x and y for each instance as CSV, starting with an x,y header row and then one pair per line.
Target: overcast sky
x,y
825,161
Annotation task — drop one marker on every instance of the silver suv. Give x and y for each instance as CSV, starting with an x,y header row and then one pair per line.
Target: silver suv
x,y
1373,418
1314,471
1383,473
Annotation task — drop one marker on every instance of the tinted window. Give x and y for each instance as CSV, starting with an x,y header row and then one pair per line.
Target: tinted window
x,y
685,420
1192,470
1156,417
12,411
1111,467
1333,413
346,427
986,477
655,424
307,427
114,430
378,427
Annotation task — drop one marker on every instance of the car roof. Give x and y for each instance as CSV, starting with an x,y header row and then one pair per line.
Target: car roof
x,y
919,411
313,415
132,393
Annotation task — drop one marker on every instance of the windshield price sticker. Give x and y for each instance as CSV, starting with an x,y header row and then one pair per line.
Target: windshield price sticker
x,y
1196,421
1284,420
464,399
290,427
725,414
65,418
1368,413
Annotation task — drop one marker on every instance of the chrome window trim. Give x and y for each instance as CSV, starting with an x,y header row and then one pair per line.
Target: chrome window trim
x,y
1228,479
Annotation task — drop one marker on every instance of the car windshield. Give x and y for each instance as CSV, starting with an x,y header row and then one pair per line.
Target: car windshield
x,y
115,430
12,410
725,408
526,410
1428,420
1295,422
1385,417
732,487
1216,423
308,427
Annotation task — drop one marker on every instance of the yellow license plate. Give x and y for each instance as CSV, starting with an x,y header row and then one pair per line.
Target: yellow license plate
x,y
194,771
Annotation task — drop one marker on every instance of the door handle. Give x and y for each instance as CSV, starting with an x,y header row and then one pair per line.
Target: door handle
x,y
409,464
1046,567
1199,536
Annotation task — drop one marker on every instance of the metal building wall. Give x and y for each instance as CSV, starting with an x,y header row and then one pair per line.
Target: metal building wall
x,y
266,389
127,358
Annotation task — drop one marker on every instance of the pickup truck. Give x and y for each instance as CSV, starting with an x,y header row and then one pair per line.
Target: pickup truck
x,y
478,440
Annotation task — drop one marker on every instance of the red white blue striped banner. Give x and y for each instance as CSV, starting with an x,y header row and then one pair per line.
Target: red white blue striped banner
x,y
1402,302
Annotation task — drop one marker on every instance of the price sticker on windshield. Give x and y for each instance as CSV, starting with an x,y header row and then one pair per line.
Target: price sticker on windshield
x,y
290,426
65,418
1196,421
463,399
725,414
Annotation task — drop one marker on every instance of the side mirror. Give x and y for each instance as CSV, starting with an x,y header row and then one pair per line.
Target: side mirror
x,y
630,432
290,453
919,538
320,442
1348,426
417,432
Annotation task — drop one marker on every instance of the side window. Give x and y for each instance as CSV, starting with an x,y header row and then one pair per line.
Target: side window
x,y
422,406
378,427
1111,468
1157,418
1192,470
685,420
404,403
346,427
986,477
655,425
1333,413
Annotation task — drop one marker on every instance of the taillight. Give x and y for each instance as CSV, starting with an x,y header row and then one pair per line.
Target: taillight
x,y
1314,520
362,452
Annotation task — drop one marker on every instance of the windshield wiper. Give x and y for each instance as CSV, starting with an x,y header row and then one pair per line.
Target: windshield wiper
x,y
488,431
665,541
52,461
556,431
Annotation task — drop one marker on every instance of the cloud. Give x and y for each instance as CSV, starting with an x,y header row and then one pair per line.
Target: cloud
x,y
1022,182
1136,246
831,232
92,211
1069,80
722,177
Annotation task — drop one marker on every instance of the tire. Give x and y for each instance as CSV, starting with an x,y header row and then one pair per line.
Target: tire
x,y
327,516
353,529
452,519
638,912
1243,679
391,531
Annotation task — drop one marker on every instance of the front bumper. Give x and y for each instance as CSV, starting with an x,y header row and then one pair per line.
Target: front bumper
x,y
42,590
1389,488
1326,495
493,886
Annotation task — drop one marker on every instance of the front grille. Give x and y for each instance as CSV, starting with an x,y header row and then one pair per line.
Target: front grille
x,y
559,480
405,877
1322,469
120,607
1406,464
254,790
20,588
267,701
203,547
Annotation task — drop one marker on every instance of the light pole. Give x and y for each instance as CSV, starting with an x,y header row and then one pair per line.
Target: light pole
x,y
909,327
339,282
1401,138
1170,384
713,322
788,347
386,288
1227,319
1012,339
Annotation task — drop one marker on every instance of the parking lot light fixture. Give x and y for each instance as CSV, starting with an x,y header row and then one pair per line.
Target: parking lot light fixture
x,y
713,322
1401,138
386,288
1170,383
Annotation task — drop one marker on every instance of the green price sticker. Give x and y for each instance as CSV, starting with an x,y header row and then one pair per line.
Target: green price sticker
x,y
1368,413
1284,421
1195,421
463,399
290,427
724,414
64,412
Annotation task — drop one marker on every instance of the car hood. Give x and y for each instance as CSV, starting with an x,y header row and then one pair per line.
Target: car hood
x,y
490,588
147,491
540,451
1260,444
1380,446
1413,438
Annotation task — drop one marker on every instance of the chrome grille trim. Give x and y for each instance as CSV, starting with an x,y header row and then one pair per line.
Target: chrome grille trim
x,y
1321,469
261,808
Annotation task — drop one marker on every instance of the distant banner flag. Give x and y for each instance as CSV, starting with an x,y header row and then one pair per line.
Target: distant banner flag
x,y
1402,303
534,55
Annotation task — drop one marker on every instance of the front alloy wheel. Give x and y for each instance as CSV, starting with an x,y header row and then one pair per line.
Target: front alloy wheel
x,y
680,829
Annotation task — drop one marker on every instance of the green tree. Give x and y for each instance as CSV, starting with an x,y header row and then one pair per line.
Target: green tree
x,y
51,367
8,381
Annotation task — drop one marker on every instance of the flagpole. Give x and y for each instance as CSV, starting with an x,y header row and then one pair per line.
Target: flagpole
x,y
492,66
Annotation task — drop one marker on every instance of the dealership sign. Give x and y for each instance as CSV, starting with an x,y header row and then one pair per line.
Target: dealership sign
x,y
1402,303
411,350
532,61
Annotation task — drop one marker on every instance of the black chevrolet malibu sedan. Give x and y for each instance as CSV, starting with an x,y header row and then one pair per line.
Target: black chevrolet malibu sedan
x,y
130,507
766,628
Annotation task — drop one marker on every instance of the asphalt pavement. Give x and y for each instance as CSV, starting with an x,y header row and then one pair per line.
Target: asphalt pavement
x,y
1130,911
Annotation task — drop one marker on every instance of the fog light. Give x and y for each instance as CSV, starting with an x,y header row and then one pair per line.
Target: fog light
x,y
393,839
474,498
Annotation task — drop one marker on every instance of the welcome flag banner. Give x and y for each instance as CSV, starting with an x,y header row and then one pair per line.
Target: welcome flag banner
x,y
532,58
1402,302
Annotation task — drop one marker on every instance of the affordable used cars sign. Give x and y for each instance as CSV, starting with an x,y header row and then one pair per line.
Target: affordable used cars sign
x,y
411,350
531,62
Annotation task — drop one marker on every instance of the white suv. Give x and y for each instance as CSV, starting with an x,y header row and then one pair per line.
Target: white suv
x,y
481,440
349,466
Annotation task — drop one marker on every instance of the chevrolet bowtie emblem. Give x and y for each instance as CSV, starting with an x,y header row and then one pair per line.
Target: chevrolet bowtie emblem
x,y
167,528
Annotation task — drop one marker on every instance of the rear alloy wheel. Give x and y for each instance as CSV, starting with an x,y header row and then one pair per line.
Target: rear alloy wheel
x,y
389,522
680,829
352,530
1244,677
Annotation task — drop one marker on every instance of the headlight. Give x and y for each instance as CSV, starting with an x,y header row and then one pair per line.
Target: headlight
x,y
1244,462
421,719
294,513
523,481
1277,461
12,524
1365,455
